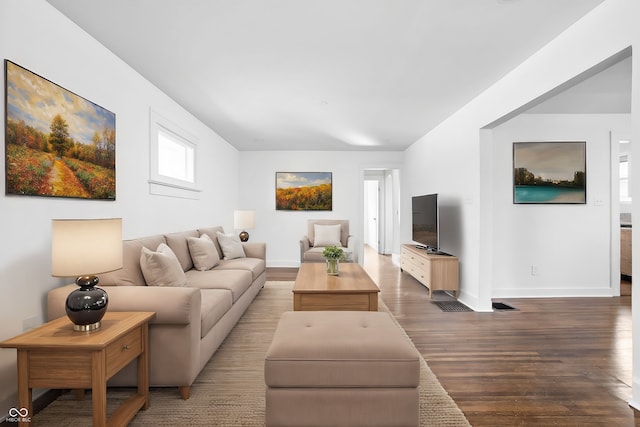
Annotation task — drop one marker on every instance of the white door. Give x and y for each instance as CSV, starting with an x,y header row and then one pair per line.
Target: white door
x,y
371,191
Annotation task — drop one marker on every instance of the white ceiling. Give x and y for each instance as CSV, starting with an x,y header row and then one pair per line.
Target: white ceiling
x,y
608,91
323,74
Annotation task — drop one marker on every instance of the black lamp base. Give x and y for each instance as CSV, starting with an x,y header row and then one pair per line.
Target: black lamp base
x,y
86,306
244,236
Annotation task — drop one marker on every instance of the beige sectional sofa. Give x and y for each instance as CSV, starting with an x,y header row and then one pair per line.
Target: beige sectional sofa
x,y
191,320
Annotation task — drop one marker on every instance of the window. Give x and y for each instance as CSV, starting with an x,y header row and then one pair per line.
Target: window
x,y
624,179
173,159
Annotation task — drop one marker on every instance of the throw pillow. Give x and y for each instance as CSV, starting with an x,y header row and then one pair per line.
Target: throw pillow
x,y
203,252
327,235
231,246
161,268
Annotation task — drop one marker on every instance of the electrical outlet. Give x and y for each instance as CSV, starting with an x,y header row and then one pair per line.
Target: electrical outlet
x,y
534,270
29,323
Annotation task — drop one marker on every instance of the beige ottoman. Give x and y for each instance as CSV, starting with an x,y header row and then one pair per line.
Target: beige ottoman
x,y
341,368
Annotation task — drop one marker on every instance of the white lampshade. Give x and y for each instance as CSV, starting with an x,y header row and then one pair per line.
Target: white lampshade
x,y
243,220
85,246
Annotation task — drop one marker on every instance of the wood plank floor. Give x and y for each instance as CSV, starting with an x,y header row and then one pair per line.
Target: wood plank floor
x,y
550,362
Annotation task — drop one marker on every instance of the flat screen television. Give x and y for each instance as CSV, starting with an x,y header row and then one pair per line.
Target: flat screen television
x,y
424,227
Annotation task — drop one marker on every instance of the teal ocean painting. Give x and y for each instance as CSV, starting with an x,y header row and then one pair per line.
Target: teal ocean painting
x,y
549,172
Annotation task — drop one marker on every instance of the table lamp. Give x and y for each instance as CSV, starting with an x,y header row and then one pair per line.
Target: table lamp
x,y
83,248
243,220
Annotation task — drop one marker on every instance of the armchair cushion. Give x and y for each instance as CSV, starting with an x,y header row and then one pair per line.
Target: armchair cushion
x,y
344,229
327,235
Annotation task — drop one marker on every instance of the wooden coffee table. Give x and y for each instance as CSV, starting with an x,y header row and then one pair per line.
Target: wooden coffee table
x,y
55,356
353,289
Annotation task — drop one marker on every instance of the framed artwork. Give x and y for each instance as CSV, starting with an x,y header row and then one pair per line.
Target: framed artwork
x,y
304,191
57,143
549,173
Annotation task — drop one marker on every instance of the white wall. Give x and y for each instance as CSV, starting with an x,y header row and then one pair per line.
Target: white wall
x,y
36,36
451,160
568,244
283,229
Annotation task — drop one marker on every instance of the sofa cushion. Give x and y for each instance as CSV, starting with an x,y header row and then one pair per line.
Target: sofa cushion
x,y
255,265
315,255
178,244
236,281
131,274
215,303
327,235
231,246
203,252
161,268
213,233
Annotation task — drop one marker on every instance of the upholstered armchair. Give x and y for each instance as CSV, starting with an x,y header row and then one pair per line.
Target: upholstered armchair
x,y
326,232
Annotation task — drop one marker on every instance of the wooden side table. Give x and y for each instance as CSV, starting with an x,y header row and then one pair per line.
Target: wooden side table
x,y
55,356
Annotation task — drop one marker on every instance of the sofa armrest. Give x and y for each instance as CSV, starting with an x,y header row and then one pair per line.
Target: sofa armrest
x,y
255,249
305,245
351,247
172,305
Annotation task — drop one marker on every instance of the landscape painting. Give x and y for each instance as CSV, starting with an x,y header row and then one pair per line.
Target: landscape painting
x,y
58,144
549,172
304,191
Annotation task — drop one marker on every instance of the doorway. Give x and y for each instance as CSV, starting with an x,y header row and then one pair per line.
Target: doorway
x,y
381,210
622,178
371,213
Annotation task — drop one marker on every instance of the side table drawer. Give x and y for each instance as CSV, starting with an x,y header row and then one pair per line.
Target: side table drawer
x,y
122,351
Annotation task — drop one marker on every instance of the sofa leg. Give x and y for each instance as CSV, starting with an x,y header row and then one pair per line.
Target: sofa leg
x,y
185,392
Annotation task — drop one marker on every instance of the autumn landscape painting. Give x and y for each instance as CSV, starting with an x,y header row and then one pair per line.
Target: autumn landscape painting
x,y
304,191
58,144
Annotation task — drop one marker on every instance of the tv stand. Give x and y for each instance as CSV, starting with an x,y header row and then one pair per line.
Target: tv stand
x,y
438,272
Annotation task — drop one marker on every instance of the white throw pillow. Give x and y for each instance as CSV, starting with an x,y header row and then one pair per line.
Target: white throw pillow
x,y
327,235
161,268
230,245
203,252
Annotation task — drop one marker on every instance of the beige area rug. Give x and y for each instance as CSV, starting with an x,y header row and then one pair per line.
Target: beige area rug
x,y
230,389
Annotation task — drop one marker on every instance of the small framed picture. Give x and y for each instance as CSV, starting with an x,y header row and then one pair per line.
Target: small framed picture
x,y
549,173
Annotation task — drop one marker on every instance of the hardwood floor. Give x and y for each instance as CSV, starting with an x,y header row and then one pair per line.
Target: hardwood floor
x,y
553,361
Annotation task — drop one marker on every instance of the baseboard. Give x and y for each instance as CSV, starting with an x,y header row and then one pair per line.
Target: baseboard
x,y
551,293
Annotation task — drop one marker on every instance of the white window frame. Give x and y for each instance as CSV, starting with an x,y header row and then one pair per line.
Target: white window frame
x,y
625,191
163,184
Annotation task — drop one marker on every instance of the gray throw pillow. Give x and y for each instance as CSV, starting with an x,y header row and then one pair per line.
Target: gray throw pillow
x,y
161,268
203,252
231,246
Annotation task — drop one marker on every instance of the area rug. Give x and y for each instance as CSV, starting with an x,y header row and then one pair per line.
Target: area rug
x,y
230,389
